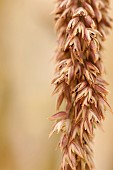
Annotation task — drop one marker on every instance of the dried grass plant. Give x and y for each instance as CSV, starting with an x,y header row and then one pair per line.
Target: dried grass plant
x,y
81,26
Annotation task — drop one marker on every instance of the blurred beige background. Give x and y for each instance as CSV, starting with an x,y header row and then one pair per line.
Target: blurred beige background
x,y
27,43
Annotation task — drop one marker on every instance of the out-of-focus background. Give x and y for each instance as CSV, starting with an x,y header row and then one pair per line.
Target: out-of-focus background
x,y
27,44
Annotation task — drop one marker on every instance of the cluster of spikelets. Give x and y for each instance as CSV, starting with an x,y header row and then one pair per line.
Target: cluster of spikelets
x,y
81,25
